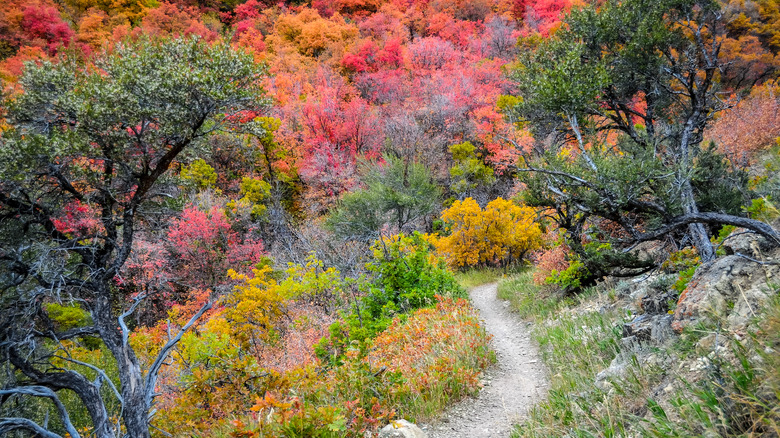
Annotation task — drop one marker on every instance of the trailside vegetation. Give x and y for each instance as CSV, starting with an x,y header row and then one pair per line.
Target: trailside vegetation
x,y
257,218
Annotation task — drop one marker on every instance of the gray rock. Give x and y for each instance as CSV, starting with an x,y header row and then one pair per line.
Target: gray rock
x,y
657,302
657,251
640,336
644,288
401,429
707,344
731,287
744,242
616,370
649,328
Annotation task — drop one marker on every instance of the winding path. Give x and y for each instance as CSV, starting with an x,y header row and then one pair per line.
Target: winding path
x,y
512,386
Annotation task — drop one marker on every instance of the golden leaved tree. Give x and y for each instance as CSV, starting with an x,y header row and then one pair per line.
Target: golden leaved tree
x,y
499,234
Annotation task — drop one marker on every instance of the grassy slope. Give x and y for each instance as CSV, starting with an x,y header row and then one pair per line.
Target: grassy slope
x,y
474,277
736,395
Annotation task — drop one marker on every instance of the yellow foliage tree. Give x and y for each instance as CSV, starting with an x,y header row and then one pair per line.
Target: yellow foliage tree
x,y
215,371
299,38
498,235
253,309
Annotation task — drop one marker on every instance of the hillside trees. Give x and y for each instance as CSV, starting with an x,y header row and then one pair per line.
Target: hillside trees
x,y
751,127
32,23
398,194
623,95
83,171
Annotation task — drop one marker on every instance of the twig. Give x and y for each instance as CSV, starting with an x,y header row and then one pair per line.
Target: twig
x,y
746,300
756,261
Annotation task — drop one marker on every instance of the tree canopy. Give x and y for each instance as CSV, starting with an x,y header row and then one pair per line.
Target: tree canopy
x,y
619,101
84,167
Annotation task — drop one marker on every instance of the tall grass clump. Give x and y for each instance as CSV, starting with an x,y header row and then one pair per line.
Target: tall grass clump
x,y
473,277
527,298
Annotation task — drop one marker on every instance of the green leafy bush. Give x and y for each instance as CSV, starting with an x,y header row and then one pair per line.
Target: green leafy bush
x,y
684,278
570,278
67,317
405,277
681,260
763,209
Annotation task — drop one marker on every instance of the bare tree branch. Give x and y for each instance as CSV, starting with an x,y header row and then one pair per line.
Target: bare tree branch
x,y
151,377
40,391
8,425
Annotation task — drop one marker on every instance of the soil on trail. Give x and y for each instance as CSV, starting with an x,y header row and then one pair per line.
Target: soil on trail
x,y
512,386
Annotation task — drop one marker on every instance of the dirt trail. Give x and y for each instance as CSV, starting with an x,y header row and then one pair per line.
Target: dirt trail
x,y
512,386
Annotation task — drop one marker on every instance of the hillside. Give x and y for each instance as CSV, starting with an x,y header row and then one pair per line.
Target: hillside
x,y
229,218
621,364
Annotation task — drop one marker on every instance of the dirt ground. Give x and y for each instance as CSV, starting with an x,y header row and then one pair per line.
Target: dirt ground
x,y
512,386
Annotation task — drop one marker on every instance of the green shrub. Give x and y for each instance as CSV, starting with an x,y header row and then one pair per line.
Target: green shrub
x,y
681,260
405,276
684,278
762,209
570,278
67,317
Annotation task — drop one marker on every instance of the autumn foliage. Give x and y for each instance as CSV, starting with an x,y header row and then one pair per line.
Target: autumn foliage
x,y
256,355
499,234
294,345
436,354
751,127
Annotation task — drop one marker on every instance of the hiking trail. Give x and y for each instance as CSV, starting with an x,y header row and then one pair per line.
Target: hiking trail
x,y
512,386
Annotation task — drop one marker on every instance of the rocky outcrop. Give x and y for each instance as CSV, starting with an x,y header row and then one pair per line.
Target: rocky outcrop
x,y
730,287
651,293
742,241
654,250
401,429
649,328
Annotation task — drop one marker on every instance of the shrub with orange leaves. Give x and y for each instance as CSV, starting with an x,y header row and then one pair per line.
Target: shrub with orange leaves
x,y
414,369
500,234
438,351
553,259
311,35
170,19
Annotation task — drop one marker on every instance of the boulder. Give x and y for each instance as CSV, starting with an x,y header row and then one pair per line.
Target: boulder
x,y
654,250
742,241
643,293
657,302
640,337
401,429
649,328
732,287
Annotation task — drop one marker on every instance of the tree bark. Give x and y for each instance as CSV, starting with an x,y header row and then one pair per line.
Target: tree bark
x,y
696,230
134,409
716,219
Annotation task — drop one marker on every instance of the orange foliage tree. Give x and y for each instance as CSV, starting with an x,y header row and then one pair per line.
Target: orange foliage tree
x,y
749,128
311,35
169,19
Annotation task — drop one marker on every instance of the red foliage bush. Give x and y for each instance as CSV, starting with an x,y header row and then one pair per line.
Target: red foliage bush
x,y
749,128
